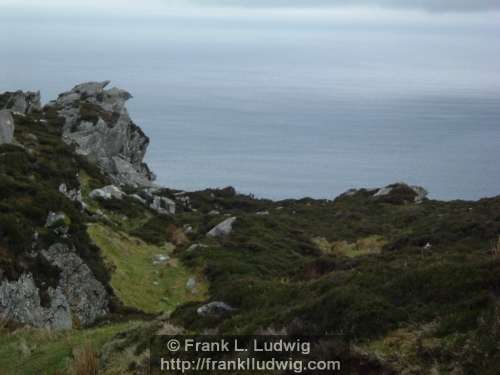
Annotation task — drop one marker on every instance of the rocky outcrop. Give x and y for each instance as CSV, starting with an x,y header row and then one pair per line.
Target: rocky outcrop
x,y
98,123
20,302
6,127
87,297
23,102
223,229
401,193
77,299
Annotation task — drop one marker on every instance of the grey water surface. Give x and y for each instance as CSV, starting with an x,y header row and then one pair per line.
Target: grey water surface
x,y
286,106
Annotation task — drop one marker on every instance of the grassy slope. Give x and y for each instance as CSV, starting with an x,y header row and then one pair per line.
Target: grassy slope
x,y
30,351
136,280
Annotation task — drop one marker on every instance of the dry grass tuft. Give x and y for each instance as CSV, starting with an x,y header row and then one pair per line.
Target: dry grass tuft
x,y
85,362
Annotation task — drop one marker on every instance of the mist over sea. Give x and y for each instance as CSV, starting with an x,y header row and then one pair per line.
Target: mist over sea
x,y
285,104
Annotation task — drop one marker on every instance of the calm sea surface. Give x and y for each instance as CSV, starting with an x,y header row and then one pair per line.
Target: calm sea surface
x,y
286,107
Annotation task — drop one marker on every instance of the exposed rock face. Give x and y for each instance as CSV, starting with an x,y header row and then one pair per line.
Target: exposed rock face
x,y
87,297
23,102
20,302
223,229
78,297
99,124
6,127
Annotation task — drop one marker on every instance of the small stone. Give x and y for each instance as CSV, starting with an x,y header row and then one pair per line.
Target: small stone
x,y
215,308
160,259
107,192
195,246
55,218
191,284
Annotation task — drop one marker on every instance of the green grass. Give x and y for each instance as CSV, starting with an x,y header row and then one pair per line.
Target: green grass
x,y
40,352
136,280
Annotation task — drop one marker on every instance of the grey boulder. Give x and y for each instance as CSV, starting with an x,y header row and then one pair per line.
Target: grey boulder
x,y
163,206
223,229
107,192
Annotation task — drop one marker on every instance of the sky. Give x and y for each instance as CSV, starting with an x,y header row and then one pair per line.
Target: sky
x,y
427,5
434,13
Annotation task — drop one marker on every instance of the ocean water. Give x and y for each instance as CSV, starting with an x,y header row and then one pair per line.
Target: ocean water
x,y
286,106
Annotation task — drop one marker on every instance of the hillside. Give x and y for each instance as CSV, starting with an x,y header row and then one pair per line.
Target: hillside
x,y
95,258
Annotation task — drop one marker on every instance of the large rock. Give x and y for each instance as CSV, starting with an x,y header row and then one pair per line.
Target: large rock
x,y
6,127
78,297
401,193
23,102
87,297
97,121
163,205
20,302
223,229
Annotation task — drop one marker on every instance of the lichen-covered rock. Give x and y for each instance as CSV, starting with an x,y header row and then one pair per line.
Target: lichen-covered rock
x,y
97,121
6,127
223,229
77,298
23,102
20,302
87,297
107,192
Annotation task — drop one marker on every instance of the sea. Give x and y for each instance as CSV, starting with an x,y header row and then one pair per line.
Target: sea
x,y
284,103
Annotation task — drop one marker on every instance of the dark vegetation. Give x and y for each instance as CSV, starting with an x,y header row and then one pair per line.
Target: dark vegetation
x,y
30,176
